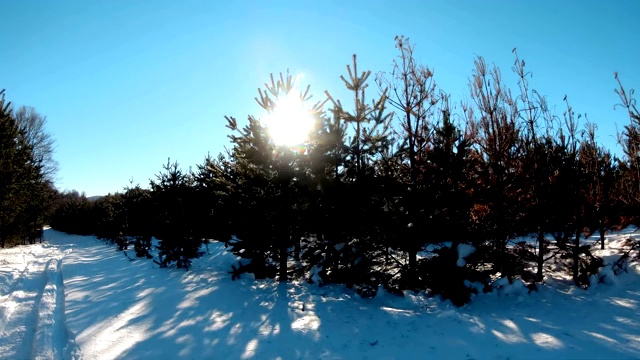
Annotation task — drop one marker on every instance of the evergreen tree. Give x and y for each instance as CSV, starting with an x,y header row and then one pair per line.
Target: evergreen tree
x,y
539,166
267,183
138,219
601,173
498,141
75,214
349,248
629,139
213,185
414,97
173,195
24,193
449,173
110,220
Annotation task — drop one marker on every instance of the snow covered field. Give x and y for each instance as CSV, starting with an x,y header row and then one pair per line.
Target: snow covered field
x,y
76,297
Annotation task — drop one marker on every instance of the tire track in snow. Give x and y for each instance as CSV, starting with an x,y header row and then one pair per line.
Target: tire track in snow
x,y
52,338
17,327
33,317
36,328
64,344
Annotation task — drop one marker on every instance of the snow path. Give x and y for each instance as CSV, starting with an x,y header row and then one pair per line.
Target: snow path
x,y
32,316
76,297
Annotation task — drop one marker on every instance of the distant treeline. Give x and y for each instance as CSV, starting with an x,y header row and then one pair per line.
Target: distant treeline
x,y
387,177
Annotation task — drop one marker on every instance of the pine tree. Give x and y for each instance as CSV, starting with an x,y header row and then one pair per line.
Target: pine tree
x,y
137,218
20,180
449,173
110,221
538,166
413,95
75,214
173,195
267,183
349,246
601,173
498,140
629,139
213,181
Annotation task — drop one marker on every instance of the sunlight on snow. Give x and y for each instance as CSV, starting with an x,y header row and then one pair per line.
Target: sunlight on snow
x,y
395,311
307,322
218,321
115,336
173,331
7,307
266,329
634,341
546,341
250,349
235,331
189,342
628,303
512,337
192,298
601,337
478,326
290,122
609,327
145,293
626,321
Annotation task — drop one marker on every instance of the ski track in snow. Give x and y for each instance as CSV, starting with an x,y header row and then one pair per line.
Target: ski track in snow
x,y
76,297
32,316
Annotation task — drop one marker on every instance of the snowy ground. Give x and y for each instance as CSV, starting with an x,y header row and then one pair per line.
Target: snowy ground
x,y
76,297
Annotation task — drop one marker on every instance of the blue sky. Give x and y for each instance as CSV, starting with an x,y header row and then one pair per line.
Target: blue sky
x,y
126,84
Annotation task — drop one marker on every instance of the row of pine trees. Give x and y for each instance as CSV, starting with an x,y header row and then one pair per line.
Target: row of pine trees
x,y
384,181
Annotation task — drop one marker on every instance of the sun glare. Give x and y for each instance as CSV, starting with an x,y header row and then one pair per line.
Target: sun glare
x,y
290,121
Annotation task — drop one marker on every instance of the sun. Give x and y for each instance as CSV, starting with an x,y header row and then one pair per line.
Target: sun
x,y
290,122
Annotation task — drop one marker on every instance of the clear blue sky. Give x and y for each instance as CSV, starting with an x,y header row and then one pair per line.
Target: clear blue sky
x,y
126,84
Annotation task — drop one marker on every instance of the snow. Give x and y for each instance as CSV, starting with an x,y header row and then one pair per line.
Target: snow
x,y
606,276
516,288
32,300
464,250
76,297
315,274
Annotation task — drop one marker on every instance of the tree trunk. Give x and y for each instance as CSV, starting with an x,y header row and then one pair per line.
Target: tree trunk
x,y
413,267
283,264
358,164
502,255
296,250
602,231
539,275
576,257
